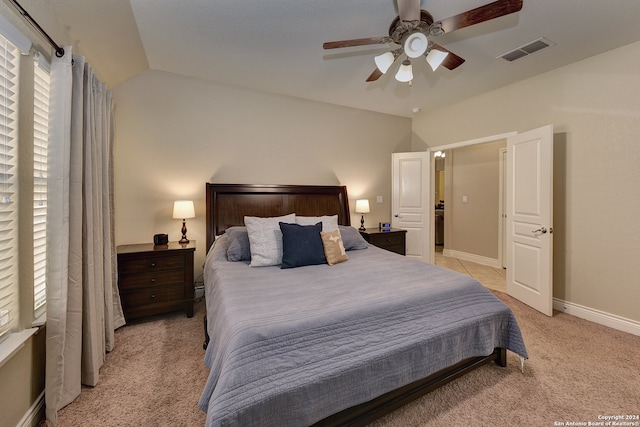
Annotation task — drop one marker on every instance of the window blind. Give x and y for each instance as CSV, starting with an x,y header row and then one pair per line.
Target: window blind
x,y
40,141
9,60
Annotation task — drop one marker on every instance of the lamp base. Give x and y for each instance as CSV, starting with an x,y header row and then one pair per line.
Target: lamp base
x,y
184,239
362,224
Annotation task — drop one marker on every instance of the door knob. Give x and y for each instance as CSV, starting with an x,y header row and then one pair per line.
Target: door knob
x,y
540,230
396,215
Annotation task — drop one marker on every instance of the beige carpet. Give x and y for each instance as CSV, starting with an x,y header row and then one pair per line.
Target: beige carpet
x,y
153,377
577,371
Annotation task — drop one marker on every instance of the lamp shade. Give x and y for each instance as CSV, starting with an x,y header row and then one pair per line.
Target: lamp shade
x,y
362,206
384,61
183,209
405,73
435,58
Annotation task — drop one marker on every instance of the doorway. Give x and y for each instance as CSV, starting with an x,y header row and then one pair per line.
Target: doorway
x,y
529,214
470,177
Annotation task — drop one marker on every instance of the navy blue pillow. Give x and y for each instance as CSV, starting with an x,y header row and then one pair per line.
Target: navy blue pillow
x,y
301,245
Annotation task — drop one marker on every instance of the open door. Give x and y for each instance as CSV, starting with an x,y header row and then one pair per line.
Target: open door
x,y
530,218
411,180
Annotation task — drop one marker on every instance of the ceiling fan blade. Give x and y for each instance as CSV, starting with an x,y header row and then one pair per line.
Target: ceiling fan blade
x,y
452,61
409,10
357,42
481,14
374,76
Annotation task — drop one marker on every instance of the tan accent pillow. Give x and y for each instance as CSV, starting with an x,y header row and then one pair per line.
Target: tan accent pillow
x,y
333,247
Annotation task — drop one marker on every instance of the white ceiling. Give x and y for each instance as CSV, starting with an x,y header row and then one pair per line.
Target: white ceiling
x,y
276,46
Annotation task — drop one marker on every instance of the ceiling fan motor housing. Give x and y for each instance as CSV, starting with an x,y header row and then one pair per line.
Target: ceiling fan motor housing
x,y
399,30
412,35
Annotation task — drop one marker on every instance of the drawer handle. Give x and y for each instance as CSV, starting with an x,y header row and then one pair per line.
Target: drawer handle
x,y
153,296
153,264
153,280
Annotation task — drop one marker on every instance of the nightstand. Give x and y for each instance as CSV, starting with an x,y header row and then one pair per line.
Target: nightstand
x,y
393,239
156,279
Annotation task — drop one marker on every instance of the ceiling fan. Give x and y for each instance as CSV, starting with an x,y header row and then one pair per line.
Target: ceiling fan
x,y
412,30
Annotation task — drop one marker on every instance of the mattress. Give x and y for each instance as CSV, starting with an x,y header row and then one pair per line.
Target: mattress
x,y
289,347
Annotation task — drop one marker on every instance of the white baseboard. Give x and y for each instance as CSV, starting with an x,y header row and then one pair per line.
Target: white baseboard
x,y
33,416
478,259
597,316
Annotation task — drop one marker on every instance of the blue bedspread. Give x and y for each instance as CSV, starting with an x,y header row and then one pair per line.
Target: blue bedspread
x,y
291,347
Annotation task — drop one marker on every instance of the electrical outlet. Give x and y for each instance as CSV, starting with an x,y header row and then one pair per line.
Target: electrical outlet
x,y
378,199
464,199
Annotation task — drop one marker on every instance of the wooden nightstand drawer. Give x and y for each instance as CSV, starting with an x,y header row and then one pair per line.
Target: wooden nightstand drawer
x,y
147,296
153,279
156,279
146,264
387,239
393,240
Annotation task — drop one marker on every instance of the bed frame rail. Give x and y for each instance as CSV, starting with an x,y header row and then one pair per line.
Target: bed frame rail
x,y
367,412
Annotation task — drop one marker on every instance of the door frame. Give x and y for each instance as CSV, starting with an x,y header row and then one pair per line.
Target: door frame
x,y
431,150
502,223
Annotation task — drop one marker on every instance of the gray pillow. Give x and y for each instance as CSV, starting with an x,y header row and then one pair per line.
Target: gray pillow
x,y
329,222
265,239
238,248
351,238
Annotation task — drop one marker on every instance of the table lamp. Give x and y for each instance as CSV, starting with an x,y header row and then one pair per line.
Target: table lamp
x,y
183,209
362,207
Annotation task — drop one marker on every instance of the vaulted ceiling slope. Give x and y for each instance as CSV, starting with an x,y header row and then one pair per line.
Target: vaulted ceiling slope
x,y
276,46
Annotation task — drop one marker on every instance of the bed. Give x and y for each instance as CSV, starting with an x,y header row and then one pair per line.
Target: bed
x,y
339,344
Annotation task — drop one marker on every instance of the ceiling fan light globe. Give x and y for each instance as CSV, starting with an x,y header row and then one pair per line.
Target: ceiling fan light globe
x,y
405,72
384,61
435,58
416,45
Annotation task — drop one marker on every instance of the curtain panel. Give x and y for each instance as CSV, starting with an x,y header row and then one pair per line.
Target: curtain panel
x,y
83,305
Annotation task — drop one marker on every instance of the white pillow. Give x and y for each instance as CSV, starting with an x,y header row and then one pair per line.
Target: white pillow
x,y
265,239
329,222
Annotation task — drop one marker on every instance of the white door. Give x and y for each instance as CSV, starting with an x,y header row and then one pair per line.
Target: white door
x,y
530,218
411,180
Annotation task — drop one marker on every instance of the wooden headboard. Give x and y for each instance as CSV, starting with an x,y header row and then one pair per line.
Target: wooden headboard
x,y
227,204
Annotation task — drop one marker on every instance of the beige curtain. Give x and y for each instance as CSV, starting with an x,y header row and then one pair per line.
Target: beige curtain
x,y
83,306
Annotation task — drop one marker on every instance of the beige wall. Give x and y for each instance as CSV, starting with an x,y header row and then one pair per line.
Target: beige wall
x,y
22,380
593,105
174,134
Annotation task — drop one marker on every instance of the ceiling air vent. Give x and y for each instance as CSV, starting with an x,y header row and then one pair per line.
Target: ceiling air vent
x,y
527,49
